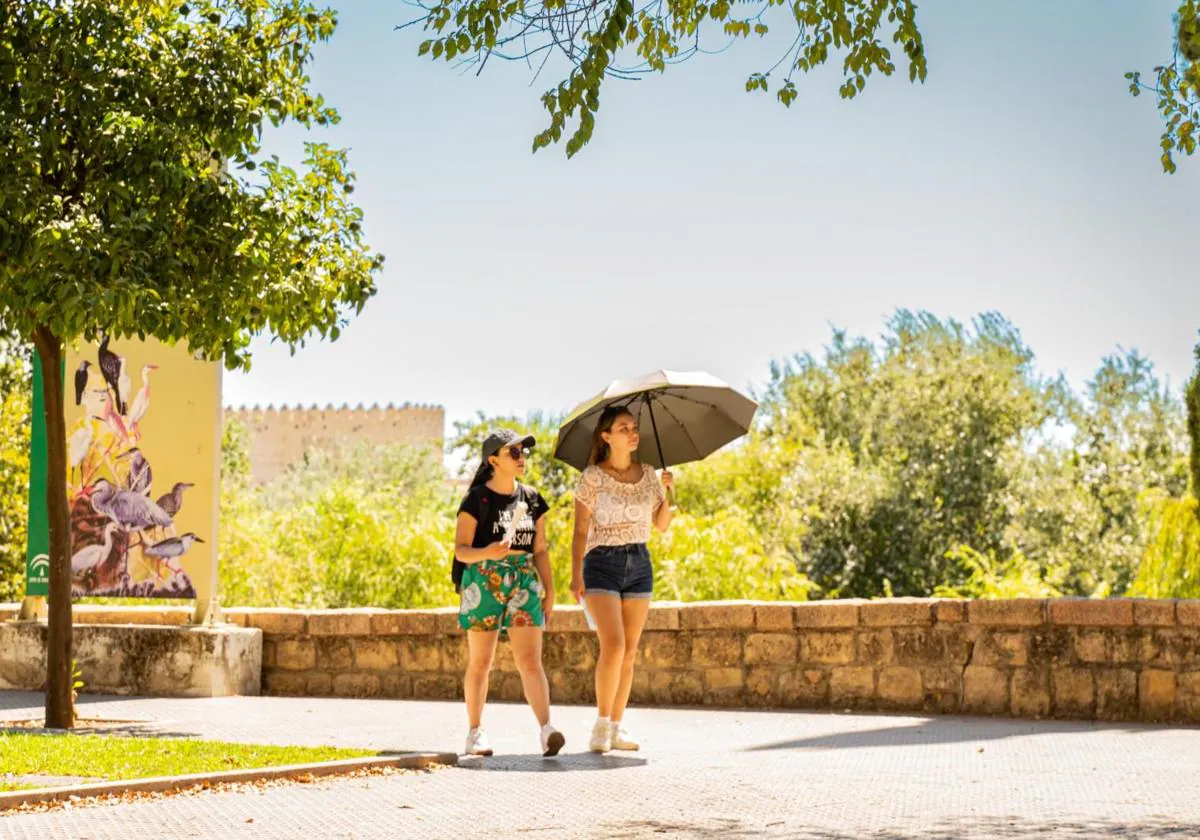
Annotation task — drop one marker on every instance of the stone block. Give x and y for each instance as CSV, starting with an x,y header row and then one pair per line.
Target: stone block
x,y
985,689
898,612
717,649
1116,694
1187,684
438,686
1074,692
377,654
295,654
334,653
268,654
568,618
900,687
804,688
575,687
403,623
1187,612
718,615
920,647
827,614
1020,612
1092,612
851,686
445,620
1153,613
771,648
666,649
875,647
716,679
1007,648
340,622
1049,646
278,621
949,611
1091,646
774,617
827,647
504,662
424,654
664,615
760,685
280,684
1125,646
398,686
942,679
1030,696
685,688
1156,694
454,652
318,684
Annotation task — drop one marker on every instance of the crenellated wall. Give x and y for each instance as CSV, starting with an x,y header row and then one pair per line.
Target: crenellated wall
x,y
281,436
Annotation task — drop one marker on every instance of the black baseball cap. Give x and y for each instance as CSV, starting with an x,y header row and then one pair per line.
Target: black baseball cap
x,y
497,439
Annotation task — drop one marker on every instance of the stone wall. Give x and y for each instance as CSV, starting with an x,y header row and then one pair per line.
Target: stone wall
x,y
1115,659
280,436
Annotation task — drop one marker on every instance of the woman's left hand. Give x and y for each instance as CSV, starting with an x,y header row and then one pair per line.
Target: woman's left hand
x,y
668,481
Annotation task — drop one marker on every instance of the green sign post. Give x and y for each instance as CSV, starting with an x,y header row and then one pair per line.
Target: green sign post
x,y
37,557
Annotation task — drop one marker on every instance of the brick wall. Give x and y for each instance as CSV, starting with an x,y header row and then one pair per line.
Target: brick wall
x,y
1115,659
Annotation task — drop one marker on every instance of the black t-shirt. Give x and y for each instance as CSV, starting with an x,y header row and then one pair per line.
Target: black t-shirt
x,y
500,509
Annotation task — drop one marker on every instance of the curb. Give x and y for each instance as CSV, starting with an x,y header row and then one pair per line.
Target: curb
x,y
164,784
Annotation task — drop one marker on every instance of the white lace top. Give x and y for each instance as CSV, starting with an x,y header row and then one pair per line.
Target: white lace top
x,y
621,512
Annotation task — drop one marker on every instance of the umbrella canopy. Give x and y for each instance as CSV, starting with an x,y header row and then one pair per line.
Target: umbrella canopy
x,y
681,417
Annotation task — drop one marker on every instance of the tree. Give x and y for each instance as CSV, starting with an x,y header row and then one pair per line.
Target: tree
x,y
1192,397
594,36
136,200
1177,87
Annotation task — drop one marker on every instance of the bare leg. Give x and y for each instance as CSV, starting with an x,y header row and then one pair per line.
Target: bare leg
x,y
610,628
527,653
633,613
481,648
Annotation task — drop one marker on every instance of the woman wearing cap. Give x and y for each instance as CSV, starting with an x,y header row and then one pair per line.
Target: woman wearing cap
x,y
616,503
506,582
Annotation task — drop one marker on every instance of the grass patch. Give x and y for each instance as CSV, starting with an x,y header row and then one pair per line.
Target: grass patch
x,y
117,758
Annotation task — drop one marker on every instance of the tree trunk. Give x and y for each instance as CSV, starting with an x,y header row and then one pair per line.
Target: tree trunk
x,y
60,707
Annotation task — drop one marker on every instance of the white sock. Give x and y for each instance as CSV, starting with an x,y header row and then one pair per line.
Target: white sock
x,y
616,723
547,728
602,721
474,729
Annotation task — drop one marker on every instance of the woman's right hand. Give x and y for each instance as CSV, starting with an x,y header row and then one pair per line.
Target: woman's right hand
x,y
577,589
498,550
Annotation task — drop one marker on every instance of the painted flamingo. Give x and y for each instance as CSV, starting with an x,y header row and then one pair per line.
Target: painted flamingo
x,y
141,402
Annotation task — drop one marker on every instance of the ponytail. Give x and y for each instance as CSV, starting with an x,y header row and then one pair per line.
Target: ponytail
x,y
608,417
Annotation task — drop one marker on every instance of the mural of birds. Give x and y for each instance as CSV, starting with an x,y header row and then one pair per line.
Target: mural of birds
x,y
113,419
91,555
141,402
81,380
170,548
173,501
110,367
123,385
132,511
140,476
79,444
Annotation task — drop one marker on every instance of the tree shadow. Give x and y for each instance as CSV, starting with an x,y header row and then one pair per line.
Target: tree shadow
x,y
537,763
949,730
1155,828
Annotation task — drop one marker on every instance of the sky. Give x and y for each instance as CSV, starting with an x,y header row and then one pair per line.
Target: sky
x,y
704,228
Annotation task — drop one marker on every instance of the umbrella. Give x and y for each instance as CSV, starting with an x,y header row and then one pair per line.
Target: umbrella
x,y
681,417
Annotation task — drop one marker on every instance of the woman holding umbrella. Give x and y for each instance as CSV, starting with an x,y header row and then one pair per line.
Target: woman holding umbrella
x,y
616,503
618,438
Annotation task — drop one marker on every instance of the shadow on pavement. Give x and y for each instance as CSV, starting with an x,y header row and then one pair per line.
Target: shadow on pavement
x,y
947,731
572,762
989,827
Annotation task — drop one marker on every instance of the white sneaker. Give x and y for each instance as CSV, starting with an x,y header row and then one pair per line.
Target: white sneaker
x,y
477,742
601,741
552,740
620,738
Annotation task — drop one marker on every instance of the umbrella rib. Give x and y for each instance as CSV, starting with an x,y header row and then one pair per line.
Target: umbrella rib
x,y
681,425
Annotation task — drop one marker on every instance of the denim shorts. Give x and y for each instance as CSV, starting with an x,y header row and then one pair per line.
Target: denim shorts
x,y
622,570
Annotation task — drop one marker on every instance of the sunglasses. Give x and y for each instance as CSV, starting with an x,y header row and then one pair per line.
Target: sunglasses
x,y
517,453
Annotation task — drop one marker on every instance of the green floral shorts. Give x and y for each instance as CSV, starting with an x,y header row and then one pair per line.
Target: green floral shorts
x,y
498,594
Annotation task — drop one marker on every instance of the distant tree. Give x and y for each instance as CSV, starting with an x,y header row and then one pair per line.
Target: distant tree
x,y
14,464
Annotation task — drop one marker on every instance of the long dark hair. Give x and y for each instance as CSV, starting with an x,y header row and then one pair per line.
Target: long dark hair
x,y
482,475
608,417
